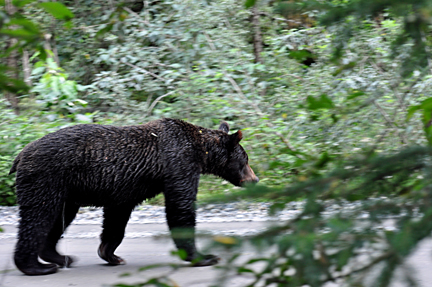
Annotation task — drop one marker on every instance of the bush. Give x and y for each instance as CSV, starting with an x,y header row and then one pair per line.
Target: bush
x,y
7,182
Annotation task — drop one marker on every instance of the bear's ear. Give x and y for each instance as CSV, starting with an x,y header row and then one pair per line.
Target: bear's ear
x,y
224,127
236,138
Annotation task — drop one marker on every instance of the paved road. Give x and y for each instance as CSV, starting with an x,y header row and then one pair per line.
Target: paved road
x,y
139,249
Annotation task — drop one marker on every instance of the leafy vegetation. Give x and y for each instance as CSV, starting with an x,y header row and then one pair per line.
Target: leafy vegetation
x,y
332,96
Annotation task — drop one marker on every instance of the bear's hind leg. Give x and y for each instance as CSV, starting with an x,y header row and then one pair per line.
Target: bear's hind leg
x,y
34,225
49,252
115,220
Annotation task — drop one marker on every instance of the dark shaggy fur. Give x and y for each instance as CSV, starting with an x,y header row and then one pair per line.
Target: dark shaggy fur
x,y
117,168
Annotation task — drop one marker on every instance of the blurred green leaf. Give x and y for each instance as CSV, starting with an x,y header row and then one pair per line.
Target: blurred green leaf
x,y
250,3
21,3
355,94
323,102
58,10
26,24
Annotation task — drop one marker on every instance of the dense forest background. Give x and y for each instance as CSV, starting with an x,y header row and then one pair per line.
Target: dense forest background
x,y
268,70
333,99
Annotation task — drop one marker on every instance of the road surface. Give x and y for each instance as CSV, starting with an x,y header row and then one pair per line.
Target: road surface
x,y
141,248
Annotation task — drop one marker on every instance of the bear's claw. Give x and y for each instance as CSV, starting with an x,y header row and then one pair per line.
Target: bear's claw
x,y
115,260
205,260
38,269
52,256
60,260
111,259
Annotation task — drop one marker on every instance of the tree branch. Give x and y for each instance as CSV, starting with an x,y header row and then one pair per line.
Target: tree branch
x,y
364,268
384,114
210,41
156,101
136,15
144,71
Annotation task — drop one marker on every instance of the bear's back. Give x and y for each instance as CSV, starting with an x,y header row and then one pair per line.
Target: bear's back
x,y
95,164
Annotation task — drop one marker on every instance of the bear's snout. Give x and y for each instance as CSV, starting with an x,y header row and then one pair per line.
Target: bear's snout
x,y
249,176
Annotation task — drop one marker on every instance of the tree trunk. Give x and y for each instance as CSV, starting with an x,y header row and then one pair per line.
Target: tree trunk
x,y
53,41
12,62
26,68
257,37
47,46
257,41
55,51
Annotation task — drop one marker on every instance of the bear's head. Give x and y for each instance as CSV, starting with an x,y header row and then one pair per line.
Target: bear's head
x,y
236,168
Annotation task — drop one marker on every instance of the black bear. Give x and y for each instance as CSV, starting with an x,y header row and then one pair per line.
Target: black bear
x,y
117,168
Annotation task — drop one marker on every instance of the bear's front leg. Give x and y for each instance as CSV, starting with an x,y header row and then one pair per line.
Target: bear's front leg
x,y
180,213
184,239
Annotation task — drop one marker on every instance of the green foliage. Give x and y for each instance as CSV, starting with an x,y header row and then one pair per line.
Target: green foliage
x,y
426,108
22,33
55,92
322,103
7,182
58,10
346,16
250,3
317,246
337,130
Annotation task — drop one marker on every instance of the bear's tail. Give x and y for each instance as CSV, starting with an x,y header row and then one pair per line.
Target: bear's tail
x,y
15,164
